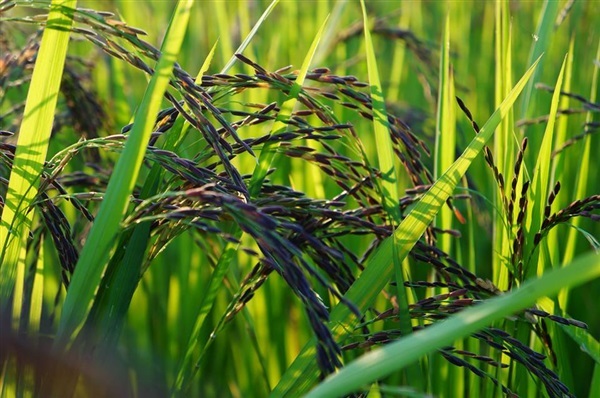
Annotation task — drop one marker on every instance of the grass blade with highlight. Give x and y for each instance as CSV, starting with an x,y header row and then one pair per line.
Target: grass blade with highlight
x,y
581,183
385,153
248,38
388,185
541,179
541,42
445,154
395,356
95,253
32,144
124,270
445,146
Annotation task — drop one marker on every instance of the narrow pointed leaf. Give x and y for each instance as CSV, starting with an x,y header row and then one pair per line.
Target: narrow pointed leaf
x,y
95,253
32,144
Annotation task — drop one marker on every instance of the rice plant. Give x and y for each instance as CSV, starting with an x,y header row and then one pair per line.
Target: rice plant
x,y
284,199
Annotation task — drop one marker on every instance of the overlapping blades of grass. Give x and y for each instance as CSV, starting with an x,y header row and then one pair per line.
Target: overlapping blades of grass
x,y
385,153
388,185
106,228
125,268
541,180
301,374
540,44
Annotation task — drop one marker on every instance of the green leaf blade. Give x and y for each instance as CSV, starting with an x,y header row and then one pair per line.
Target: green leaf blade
x,y
94,255
32,144
394,356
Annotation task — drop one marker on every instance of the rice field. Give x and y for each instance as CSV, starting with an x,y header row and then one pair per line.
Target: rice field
x,y
279,198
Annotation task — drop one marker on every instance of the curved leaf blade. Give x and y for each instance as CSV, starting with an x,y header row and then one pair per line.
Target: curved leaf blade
x,y
395,356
